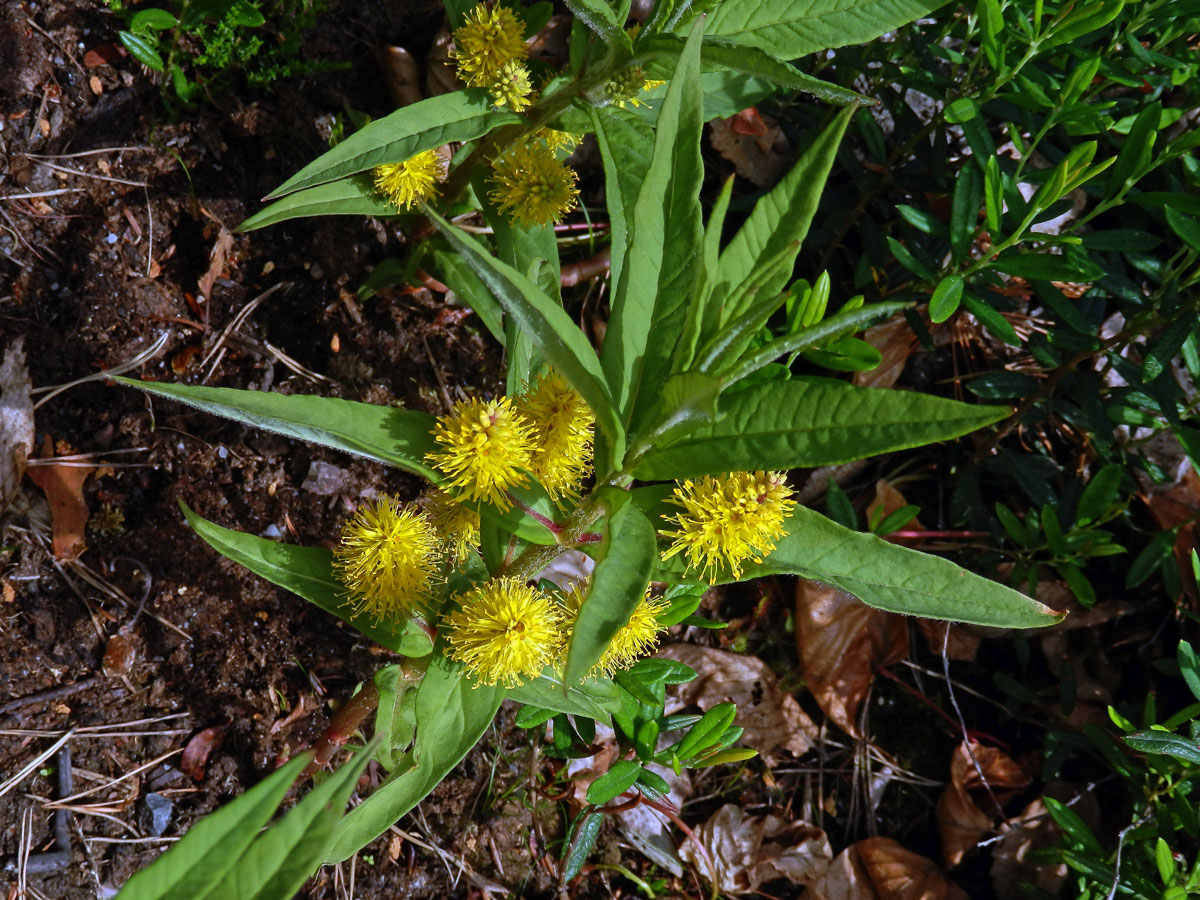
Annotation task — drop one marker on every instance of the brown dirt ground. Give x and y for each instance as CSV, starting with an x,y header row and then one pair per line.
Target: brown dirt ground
x,y
91,277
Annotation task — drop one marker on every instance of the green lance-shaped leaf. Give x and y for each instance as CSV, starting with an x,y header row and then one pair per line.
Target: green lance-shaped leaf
x,y
308,573
278,863
595,698
894,578
600,17
552,330
194,866
1164,743
808,423
617,587
453,712
781,218
787,29
626,144
664,244
457,116
397,437
354,196
752,61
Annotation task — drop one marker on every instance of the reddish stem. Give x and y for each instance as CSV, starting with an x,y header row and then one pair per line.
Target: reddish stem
x,y
345,723
939,534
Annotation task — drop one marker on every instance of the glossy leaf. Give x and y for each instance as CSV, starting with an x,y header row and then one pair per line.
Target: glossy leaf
x,y
787,29
619,778
212,847
819,422
596,698
278,863
557,337
452,714
946,298
457,116
626,144
781,218
355,196
618,585
308,573
893,578
397,437
662,257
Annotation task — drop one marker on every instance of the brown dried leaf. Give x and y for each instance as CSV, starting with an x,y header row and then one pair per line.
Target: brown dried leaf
x,y
196,753
896,341
771,718
963,643
16,421
399,74
963,819
63,485
439,66
216,262
841,641
748,851
760,157
880,869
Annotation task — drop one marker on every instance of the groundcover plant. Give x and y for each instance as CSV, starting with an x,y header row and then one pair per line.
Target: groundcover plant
x,y
660,459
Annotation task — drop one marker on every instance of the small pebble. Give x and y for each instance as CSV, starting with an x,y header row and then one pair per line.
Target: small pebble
x,y
155,814
272,531
112,238
222,452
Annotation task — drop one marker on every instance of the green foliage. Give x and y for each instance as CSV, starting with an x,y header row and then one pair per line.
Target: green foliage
x,y
199,47
1160,781
706,368
225,855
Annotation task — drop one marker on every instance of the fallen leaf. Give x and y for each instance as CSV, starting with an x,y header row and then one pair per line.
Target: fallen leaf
x,y
196,753
962,818
748,851
759,157
841,642
16,421
399,74
962,644
103,55
63,484
770,717
216,262
1032,830
439,65
895,340
880,869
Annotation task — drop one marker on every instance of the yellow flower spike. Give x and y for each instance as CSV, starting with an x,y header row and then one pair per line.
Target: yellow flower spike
x,y
407,183
504,632
388,557
486,43
512,87
486,446
635,639
625,86
457,525
729,519
562,422
532,185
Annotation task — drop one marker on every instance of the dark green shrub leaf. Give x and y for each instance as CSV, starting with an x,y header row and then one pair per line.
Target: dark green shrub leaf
x,y
946,297
142,49
617,780
1163,743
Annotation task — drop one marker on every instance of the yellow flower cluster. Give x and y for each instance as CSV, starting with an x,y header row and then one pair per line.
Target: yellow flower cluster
x,y
728,520
407,183
531,184
490,52
486,447
625,86
457,525
635,639
506,632
388,557
562,424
